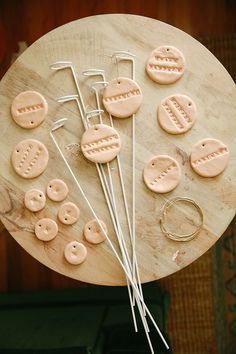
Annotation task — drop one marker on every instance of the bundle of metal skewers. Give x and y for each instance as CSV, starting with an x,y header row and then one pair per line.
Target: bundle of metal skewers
x,y
100,143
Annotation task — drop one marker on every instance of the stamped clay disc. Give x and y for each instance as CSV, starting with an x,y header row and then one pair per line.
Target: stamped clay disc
x,y
100,143
57,190
122,97
162,174
29,158
75,253
165,65
46,229
34,200
68,213
209,157
29,109
93,232
177,114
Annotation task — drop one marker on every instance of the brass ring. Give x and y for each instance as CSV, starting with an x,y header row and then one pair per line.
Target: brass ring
x,y
174,236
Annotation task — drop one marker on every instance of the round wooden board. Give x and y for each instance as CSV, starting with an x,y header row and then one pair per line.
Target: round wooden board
x,y
89,43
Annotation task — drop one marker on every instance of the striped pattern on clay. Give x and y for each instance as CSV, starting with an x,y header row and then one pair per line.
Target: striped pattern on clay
x,y
123,96
220,152
163,174
100,143
165,68
30,109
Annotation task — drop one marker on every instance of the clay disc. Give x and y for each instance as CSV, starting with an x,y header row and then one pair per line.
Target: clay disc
x,y
68,213
29,109
209,157
34,200
177,114
93,232
165,65
75,253
122,97
46,229
162,174
29,158
57,190
100,143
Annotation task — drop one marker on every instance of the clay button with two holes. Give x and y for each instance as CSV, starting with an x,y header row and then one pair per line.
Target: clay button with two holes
x,y
68,213
93,233
34,200
165,65
29,158
177,114
162,174
46,229
209,157
100,143
57,190
29,109
122,97
75,253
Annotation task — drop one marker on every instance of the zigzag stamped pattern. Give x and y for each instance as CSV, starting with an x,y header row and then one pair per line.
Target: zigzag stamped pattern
x,y
180,109
165,68
209,157
172,116
30,109
163,174
98,143
123,96
102,149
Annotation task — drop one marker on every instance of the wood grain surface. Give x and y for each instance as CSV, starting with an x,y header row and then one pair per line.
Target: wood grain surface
x,y
89,43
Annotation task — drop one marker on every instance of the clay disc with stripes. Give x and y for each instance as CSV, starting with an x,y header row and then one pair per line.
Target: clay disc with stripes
x,y
100,143
177,114
29,158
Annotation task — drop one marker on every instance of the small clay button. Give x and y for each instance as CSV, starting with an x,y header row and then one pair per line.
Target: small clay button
x,y
68,213
165,65
57,190
29,158
209,157
75,253
100,143
34,200
29,109
162,174
93,233
122,97
46,229
177,114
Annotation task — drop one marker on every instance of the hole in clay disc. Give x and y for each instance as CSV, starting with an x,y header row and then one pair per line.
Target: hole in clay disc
x,y
203,145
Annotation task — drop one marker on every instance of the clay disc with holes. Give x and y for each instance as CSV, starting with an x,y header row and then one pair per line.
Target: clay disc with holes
x,y
122,97
209,157
46,229
162,174
75,253
165,65
93,232
100,143
29,109
29,158
57,190
177,114
68,213
34,200
89,43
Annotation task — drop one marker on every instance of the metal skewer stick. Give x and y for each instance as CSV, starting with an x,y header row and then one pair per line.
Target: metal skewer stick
x,y
60,123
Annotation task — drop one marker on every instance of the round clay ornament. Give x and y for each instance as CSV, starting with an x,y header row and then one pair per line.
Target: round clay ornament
x,y
93,233
34,200
46,229
29,109
162,174
57,190
68,213
75,253
165,65
209,157
177,114
122,97
100,143
29,158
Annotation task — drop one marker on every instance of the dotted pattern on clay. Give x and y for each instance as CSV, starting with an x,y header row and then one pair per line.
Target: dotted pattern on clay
x,y
165,68
209,157
172,116
102,149
185,116
169,59
123,96
99,143
33,162
24,157
29,109
163,174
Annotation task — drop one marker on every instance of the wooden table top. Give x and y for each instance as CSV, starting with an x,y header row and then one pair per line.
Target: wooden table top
x,y
89,43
